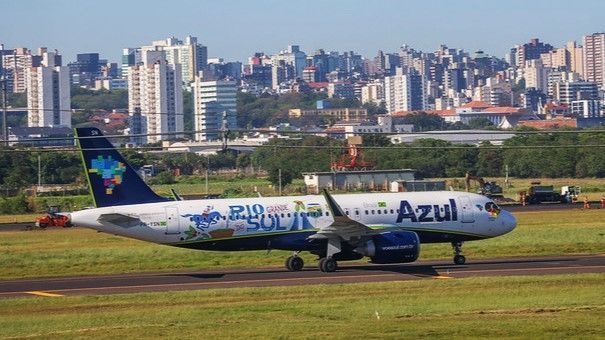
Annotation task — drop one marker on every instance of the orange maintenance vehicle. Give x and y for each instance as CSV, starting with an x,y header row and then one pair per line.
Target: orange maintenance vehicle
x,y
52,219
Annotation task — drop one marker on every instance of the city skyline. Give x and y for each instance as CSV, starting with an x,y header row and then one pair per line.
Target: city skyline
x,y
331,26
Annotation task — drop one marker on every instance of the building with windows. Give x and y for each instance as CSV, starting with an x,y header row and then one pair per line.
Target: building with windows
x,y
155,99
373,93
586,108
568,91
215,107
594,58
404,91
15,66
48,93
189,54
338,114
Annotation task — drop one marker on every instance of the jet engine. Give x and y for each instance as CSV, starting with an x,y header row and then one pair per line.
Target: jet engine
x,y
392,247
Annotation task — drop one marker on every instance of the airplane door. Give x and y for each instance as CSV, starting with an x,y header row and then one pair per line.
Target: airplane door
x,y
466,210
172,221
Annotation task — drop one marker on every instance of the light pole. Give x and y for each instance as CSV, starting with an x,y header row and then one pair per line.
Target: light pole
x,y
4,124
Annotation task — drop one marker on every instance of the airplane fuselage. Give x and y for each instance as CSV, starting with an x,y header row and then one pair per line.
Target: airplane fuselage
x,y
287,222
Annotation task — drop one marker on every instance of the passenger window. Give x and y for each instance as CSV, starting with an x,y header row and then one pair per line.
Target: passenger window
x,y
385,211
392,211
327,213
379,212
372,211
289,215
366,212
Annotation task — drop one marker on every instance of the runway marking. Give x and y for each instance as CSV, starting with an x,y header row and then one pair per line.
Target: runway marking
x,y
43,294
522,269
55,291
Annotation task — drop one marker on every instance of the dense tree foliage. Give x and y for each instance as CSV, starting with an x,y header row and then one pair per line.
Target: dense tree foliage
x,y
560,157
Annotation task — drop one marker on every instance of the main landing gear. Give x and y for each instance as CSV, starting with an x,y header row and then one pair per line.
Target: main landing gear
x,y
327,264
458,257
295,263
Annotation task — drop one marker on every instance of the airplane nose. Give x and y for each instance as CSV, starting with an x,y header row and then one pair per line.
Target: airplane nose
x,y
509,221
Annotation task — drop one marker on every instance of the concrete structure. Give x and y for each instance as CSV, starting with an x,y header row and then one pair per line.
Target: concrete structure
x,y
111,84
341,114
341,90
536,75
15,66
568,91
474,137
48,94
373,93
47,135
189,54
531,50
372,180
594,58
586,108
404,91
576,57
215,107
155,99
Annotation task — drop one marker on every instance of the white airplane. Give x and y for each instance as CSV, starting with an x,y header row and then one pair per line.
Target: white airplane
x,y
386,227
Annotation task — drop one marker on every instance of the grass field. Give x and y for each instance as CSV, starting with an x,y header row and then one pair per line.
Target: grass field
x,y
565,306
64,252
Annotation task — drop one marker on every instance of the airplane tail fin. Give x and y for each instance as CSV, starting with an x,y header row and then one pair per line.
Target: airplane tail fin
x,y
111,180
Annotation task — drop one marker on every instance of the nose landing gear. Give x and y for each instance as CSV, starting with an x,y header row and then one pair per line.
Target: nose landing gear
x,y
459,259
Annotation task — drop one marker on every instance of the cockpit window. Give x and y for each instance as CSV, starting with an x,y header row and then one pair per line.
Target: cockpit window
x,y
492,207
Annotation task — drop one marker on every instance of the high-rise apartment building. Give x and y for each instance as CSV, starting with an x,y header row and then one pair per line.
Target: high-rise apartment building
x,y
594,58
373,93
48,93
15,66
536,75
404,91
155,99
531,50
215,107
189,54
576,57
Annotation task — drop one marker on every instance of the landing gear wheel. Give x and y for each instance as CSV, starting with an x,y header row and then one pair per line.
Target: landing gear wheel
x,y
294,263
327,265
459,259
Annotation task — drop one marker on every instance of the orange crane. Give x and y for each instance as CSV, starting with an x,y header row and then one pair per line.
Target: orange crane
x,y
351,161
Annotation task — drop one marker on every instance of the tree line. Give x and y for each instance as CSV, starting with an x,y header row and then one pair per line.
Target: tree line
x,y
19,170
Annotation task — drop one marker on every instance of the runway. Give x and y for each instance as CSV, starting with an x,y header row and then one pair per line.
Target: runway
x,y
423,270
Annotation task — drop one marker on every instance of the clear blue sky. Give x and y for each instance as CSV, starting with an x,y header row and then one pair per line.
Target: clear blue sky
x,y
236,29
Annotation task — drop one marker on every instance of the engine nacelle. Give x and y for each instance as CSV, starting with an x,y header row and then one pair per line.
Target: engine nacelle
x,y
398,246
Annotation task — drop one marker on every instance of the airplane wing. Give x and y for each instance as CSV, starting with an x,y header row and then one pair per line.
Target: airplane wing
x,y
343,226
121,220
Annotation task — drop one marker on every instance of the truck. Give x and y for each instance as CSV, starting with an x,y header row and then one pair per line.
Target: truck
x,y
486,188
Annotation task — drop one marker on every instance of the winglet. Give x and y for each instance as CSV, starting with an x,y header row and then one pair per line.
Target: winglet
x,y
335,209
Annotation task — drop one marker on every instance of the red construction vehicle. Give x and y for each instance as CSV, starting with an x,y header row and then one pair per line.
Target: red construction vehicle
x,y
53,219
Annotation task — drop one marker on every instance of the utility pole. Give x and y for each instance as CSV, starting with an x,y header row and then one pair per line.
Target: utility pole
x,y
4,124
279,176
39,172
207,165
